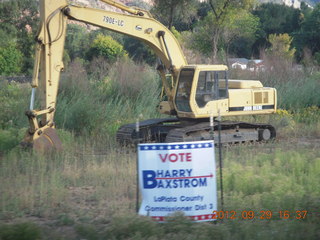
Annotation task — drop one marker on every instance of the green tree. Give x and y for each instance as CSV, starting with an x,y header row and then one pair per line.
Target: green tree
x,y
139,51
281,46
280,55
241,27
221,24
19,21
275,19
107,47
77,41
10,59
305,10
309,35
170,11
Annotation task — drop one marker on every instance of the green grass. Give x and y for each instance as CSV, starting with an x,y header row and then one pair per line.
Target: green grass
x,y
20,231
273,178
295,89
91,190
85,106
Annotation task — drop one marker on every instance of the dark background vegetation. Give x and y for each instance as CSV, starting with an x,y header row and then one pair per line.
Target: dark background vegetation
x,y
247,37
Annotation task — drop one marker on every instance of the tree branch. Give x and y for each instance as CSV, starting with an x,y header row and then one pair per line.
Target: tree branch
x,y
213,9
225,6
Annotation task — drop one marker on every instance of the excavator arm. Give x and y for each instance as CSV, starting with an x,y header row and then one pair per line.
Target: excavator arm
x,y
54,15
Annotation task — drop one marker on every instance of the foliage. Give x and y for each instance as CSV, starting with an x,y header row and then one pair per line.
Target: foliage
x,y
222,27
19,20
77,41
221,21
240,26
9,139
176,33
136,49
139,51
202,37
275,19
85,105
309,34
308,115
171,11
107,47
299,94
20,231
19,13
295,87
95,103
90,189
10,59
281,46
14,98
227,27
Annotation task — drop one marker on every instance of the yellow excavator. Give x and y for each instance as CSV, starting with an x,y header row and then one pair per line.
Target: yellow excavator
x,y
199,92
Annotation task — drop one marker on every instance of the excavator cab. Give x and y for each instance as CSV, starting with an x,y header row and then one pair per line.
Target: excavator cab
x,y
198,87
205,90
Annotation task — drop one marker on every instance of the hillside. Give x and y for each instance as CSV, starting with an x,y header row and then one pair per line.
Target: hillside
x,y
145,3
313,2
100,4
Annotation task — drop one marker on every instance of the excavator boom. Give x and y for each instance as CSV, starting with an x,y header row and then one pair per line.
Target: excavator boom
x,y
49,52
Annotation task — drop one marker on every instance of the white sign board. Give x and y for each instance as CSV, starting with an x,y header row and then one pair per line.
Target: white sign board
x,y
178,177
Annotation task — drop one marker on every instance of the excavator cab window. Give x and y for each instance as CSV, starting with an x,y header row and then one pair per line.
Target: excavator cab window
x,y
184,90
212,85
222,82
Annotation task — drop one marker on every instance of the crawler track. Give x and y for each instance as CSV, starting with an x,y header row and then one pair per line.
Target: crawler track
x,y
172,130
231,132
152,130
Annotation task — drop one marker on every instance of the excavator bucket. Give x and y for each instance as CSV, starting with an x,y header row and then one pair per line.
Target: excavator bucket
x,y
48,140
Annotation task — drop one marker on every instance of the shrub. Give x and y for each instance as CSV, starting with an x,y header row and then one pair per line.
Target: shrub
x,y
299,93
77,41
107,47
10,59
130,80
133,227
20,231
100,106
14,99
308,115
10,138
295,88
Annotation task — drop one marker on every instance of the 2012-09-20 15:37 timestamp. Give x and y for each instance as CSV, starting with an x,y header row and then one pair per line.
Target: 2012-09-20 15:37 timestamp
x,y
263,214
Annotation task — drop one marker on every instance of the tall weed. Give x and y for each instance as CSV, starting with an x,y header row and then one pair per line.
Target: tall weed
x,y
299,93
20,231
101,106
295,88
94,192
14,99
274,179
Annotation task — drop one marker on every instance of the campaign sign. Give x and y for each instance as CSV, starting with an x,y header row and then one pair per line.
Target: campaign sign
x,y
178,177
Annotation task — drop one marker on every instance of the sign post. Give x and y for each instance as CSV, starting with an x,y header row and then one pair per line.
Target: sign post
x,y
178,177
